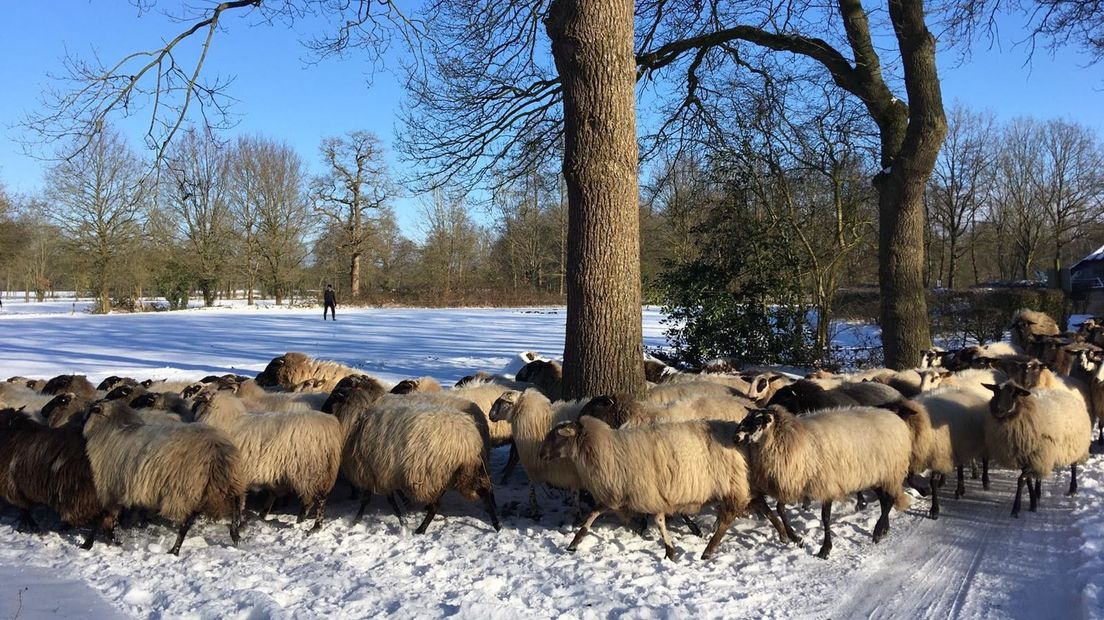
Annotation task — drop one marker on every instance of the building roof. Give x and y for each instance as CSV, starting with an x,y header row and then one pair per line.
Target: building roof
x,y
1095,256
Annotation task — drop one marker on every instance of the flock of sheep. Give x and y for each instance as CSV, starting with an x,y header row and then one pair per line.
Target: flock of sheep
x,y
718,438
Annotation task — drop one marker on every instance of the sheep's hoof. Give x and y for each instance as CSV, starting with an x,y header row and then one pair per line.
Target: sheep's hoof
x,y
670,553
823,553
706,555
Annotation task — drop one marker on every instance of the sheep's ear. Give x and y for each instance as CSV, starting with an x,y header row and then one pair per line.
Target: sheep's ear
x,y
1021,391
760,384
604,400
991,387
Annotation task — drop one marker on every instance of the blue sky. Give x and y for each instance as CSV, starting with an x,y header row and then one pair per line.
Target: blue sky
x,y
283,97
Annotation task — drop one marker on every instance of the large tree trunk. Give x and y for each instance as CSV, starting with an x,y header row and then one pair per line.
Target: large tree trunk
x,y
905,329
592,44
354,276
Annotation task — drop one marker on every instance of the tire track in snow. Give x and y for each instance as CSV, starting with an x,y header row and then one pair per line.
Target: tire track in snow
x,y
974,561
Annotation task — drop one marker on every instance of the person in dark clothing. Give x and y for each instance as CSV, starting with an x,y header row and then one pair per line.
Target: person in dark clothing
x,y
330,303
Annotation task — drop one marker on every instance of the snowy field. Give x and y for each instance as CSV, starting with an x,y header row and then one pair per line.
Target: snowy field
x,y
974,562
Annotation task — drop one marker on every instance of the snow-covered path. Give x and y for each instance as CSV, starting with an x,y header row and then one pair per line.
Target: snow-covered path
x,y
975,561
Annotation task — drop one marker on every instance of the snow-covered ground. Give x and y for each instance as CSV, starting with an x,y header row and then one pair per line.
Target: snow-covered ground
x,y
973,562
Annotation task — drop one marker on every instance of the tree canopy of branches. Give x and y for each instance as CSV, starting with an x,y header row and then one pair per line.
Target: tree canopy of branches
x,y
97,199
355,183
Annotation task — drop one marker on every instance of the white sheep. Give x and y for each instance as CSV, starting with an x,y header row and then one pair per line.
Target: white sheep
x,y
531,415
180,471
300,451
656,470
948,432
422,447
670,392
622,410
1035,431
292,369
826,456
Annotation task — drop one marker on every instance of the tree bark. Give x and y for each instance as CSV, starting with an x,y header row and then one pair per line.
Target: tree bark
x,y
354,276
905,329
592,45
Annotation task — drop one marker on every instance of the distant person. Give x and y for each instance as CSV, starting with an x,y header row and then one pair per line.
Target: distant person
x,y
329,303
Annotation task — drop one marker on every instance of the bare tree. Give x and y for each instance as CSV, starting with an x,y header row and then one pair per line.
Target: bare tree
x,y
97,199
356,181
271,210
453,244
959,182
196,190
1070,183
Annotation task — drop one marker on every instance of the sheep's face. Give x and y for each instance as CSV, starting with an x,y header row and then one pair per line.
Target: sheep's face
x,y
931,378
109,383
269,377
149,399
193,390
503,408
122,392
654,370
61,408
1005,403
787,397
17,379
560,442
753,427
606,409
1098,376
406,386
1026,373
932,358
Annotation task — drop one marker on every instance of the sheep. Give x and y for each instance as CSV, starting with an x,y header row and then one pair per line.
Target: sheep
x,y
17,395
422,447
1029,324
933,358
298,451
165,401
907,382
948,431
622,410
932,378
370,385
1096,397
77,384
670,392
739,384
827,455
49,466
421,384
807,395
1069,356
657,470
292,369
546,375
179,471
763,385
114,381
1035,431
257,398
65,407
531,415
655,370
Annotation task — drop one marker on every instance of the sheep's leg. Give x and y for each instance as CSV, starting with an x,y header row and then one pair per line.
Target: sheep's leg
x,y
26,522
641,525
881,528
511,463
270,501
668,548
304,508
354,493
936,481
1073,480
985,473
89,538
395,506
534,509
182,533
974,470
726,512
860,501
691,525
492,509
780,508
759,505
826,519
431,511
363,504
319,513
585,527
1100,438
1019,494
1037,494
960,490
403,497
235,525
